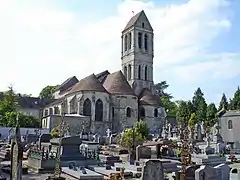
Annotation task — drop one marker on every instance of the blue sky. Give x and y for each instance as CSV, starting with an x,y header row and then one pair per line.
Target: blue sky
x,y
45,42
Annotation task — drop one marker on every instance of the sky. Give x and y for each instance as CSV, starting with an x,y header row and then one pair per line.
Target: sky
x,y
197,43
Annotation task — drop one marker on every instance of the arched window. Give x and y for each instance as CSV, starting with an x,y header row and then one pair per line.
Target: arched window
x,y
99,110
45,112
113,113
146,42
230,125
129,72
50,111
87,107
146,73
143,25
129,112
125,43
142,112
125,71
156,112
140,40
56,110
139,72
130,40
73,105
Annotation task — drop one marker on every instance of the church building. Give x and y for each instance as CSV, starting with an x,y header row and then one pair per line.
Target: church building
x,y
117,100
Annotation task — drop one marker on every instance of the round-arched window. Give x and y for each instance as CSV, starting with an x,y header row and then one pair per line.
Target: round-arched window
x,y
230,125
129,112
156,112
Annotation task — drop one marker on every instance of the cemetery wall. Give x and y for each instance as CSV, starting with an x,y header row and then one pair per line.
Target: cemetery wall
x,y
5,131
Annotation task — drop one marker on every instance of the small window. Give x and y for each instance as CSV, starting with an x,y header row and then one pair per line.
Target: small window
x,y
113,113
230,125
156,112
146,74
139,72
129,72
140,40
129,112
142,25
142,112
146,42
130,41
125,43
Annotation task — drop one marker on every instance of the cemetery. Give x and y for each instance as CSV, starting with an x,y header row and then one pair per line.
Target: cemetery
x,y
90,156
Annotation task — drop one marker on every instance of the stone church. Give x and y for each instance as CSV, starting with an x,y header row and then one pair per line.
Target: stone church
x,y
117,100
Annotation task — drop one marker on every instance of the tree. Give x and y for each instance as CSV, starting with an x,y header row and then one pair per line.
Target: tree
x,y
170,107
211,118
55,133
235,103
7,105
223,103
161,87
47,92
199,105
126,139
184,112
142,129
191,123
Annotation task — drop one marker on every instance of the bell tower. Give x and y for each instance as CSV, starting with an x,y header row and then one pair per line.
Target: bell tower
x,y
138,52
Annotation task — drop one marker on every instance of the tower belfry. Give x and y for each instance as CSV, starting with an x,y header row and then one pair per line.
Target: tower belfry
x,y
137,53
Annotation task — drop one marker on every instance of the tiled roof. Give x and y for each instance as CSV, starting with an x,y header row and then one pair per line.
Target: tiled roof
x,y
116,83
147,98
89,83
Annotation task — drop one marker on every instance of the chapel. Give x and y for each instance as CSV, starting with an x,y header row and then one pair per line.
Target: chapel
x,y
116,100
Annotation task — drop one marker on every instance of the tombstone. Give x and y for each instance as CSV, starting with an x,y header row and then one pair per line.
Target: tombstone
x,y
190,172
16,155
169,130
109,135
235,173
174,132
206,173
199,132
152,170
143,152
223,171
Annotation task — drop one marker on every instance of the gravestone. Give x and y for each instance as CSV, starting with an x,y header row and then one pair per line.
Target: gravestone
x,y
190,172
206,173
223,171
152,170
143,152
16,155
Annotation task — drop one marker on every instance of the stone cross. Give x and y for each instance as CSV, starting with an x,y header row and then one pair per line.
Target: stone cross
x,y
108,132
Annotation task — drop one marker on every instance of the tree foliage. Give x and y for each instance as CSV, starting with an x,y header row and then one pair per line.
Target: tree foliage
x,y
55,133
126,139
199,105
191,124
161,88
184,112
47,92
211,118
9,112
140,132
142,129
170,106
223,103
235,101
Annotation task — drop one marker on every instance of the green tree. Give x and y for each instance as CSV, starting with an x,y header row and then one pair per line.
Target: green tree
x,y
142,129
7,105
191,123
211,118
170,106
126,140
184,112
235,103
199,105
223,103
47,92
161,88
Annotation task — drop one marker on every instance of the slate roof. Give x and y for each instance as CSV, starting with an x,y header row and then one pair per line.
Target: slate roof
x,y
66,85
147,98
102,76
55,102
134,19
117,84
89,83
232,113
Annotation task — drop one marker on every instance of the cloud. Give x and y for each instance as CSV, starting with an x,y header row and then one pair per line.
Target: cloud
x,y
43,45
